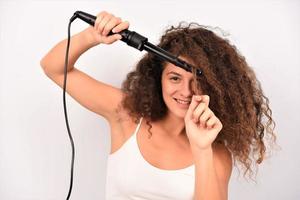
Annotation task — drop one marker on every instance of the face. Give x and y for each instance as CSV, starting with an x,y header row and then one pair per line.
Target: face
x,y
178,87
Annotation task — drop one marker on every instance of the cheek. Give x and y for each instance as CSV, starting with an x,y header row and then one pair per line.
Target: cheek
x,y
168,89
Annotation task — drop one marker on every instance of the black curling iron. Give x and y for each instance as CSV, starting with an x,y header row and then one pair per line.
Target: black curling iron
x,y
139,42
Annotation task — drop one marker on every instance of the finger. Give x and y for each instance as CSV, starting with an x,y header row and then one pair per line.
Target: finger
x,y
111,24
103,22
98,19
194,103
112,38
206,99
207,114
198,111
201,107
211,122
124,25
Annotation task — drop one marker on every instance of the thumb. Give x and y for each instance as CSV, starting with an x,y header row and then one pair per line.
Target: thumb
x,y
195,102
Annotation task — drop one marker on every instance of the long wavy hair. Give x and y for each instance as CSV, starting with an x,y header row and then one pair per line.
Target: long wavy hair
x,y
236,96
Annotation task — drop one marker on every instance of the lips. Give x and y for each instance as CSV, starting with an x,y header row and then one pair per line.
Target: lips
x,y
183,102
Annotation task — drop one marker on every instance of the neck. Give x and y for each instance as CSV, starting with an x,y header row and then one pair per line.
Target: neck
x,y
172,126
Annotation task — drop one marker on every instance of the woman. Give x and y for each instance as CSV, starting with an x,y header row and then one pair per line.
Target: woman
x,y
174,135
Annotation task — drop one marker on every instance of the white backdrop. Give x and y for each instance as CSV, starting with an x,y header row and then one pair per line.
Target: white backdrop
x,y
35,151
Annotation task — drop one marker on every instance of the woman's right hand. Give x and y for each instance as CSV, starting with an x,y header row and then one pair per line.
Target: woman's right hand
x,y
105,22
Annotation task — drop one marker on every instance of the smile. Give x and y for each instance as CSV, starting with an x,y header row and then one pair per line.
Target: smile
x,y
182,102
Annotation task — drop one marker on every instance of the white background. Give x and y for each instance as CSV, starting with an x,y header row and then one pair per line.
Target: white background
x,y
35,151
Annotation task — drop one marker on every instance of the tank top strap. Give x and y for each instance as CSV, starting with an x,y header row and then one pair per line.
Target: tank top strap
x,y
138,126
132,141
130,146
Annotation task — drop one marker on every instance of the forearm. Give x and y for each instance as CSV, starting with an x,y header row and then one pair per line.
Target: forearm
x,y
54,61
206,181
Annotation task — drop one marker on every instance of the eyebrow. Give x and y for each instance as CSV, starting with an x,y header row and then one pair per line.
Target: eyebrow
x,y
174,73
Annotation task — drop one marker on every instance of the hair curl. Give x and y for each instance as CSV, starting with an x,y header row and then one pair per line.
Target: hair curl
x,y
236,96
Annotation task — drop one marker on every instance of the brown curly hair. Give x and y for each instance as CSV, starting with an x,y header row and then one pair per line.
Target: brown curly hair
x,y
236,96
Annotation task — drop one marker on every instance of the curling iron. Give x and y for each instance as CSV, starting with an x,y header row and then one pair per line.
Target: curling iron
x,y
139,42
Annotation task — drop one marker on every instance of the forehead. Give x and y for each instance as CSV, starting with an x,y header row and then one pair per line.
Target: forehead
x,y
169,67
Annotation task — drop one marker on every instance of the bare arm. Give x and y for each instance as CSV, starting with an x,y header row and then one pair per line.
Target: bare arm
x,y
96,96
213,168
53,62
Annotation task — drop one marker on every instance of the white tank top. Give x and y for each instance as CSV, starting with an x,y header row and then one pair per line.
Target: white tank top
x,y
131,177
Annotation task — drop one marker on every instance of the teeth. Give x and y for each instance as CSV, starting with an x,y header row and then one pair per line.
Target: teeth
x,y
183,102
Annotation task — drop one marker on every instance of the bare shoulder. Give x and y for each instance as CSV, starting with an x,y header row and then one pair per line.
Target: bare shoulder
x,y
223,162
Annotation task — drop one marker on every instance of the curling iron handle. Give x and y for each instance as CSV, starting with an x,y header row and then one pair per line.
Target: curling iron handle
x,y
130,37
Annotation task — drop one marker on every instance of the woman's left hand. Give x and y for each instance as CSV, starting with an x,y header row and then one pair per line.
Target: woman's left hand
x,y
201,125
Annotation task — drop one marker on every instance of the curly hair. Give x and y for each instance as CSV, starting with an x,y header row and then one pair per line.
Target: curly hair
x,y
236,96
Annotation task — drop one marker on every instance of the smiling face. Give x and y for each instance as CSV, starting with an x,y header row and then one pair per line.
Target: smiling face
x,y
178,87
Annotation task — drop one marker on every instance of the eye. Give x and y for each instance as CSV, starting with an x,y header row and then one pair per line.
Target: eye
x,y
175,78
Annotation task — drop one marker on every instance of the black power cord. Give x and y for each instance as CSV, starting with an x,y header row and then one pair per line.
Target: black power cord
x,y
133,39
65,109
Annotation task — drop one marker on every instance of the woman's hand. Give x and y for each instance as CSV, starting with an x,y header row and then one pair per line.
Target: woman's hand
x,y
202,126
106,22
